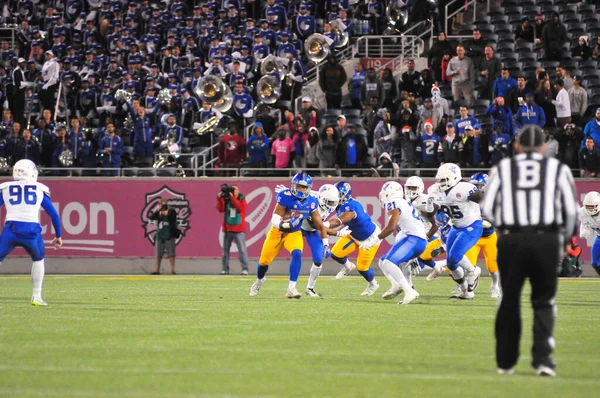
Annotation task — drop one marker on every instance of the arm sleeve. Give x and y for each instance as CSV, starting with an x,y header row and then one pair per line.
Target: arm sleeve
x,y
569,200
49,208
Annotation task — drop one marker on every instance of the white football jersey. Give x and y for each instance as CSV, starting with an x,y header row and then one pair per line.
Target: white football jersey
x,y
307,222
410,223
23,200
590,225
420,203
456,203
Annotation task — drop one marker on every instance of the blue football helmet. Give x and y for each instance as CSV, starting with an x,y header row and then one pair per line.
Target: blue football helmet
x,y
301,179
441,219
480,180
345,190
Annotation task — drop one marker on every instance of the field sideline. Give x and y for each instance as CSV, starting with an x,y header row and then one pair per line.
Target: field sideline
x,y
192,336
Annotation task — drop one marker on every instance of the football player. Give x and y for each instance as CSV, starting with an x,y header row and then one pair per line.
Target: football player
x,y
286,232
589,215
460,202
23,198
410,241
364,238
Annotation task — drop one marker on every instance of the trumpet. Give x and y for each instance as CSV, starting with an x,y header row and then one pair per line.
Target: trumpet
x,y
207,126
213,90
317,47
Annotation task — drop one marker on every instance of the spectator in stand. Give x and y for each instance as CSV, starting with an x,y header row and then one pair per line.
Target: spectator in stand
x,y
488,69
504,84
310,148
498,145
552,146
411,79
46,138
569,141
389,88
341,129
111,149
440,48
562,72
472,149
406,142
28,148
440,105
441,129
530,113
502,115
461,71
352,151
332,77
50,74
582,50
553,37
425,112
533,84
592,129
142,135
75,136
61,144
538,28
525,31
475,46
386,167
465,120
232,148
282,149
578,98
596,52
385,134
299,133
428,147
355,84
327,150
452,147
372,88
258,147
427,83
562,104
589,159
543,97
13,141
308,110
89,153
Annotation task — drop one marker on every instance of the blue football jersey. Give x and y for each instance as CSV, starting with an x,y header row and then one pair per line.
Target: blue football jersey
x,y
428,146
362,226
305,207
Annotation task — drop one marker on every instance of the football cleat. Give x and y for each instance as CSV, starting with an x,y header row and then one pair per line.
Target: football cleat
x,y
293,293
457,290
393,292
345,271
256,286
410,296
473,279
545,371
501,371
310,292
371,288
495,292
244,272
432,275
465,295
38,302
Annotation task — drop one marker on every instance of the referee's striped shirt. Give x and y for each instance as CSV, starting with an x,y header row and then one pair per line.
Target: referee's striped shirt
x,y
530,190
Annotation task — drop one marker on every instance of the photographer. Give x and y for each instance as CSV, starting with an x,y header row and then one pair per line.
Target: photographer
x,y
233,204
166,234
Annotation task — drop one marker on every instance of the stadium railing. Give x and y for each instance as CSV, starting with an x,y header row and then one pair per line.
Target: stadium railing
x,y
405,46
463,6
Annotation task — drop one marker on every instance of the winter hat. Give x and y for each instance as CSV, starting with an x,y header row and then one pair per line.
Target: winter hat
x,y
406,128
584,38
258,124
428,122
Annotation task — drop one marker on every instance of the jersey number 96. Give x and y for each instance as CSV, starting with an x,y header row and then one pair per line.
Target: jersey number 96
x,y
19,193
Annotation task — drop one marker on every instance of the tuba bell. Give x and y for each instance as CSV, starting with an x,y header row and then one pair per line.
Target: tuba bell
x,y
268,89
397,16
213,90
340,31
317,47
164,96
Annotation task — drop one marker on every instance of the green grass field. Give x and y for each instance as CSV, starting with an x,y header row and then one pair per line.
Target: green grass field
x,y
203,336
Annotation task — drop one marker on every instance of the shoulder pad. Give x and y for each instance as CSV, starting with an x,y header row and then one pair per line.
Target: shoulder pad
x,y
4,185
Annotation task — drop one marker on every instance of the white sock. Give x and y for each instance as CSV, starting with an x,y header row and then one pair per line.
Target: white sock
x,y
348,264
440,266
314,274
292,285
407,273
465,264
459,273
495,279
388,276
37,277
395,274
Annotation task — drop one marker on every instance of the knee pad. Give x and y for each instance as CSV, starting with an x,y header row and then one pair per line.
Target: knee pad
x,y
297,255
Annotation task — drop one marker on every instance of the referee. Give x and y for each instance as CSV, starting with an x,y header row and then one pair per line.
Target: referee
x,y
531,200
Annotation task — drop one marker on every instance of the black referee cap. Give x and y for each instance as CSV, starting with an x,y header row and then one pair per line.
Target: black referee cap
x,y
531,136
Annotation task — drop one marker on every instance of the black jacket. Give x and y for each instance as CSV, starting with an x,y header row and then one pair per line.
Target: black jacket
x,y
589,160
172,220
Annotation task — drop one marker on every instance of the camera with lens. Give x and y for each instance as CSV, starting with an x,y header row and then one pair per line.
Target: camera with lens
x,y
226,190
164,208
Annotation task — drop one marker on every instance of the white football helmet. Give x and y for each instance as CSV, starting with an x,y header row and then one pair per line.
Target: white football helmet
x,y
448,175
414,187
390,190
329,197
591,202
25,170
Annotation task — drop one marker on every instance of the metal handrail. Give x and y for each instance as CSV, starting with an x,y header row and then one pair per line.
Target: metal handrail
x,y
410,45
448,16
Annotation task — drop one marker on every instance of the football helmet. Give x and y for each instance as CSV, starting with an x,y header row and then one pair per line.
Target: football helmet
x,y
448,175
414,187
480,180
329,197
345,190
390,190
591,202
303,180
25,170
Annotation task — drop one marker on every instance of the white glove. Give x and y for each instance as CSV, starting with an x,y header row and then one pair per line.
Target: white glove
x,y
486,224
344,232
414,267
429,208
280,188
370,243
23,85
45,86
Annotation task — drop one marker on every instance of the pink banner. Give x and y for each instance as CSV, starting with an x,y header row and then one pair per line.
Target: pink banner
x,y
109,218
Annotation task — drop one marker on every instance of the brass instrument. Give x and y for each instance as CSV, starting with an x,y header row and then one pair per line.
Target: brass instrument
x,y
213,90
164,96
317,47
268,89
122,95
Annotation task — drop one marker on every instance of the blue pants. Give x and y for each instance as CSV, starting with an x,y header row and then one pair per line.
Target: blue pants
x,y
316,245
27,235
406,249
596,253
460,240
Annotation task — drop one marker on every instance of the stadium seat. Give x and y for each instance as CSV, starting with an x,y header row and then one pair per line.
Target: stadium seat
x,y
332,112
166,172
531,11
490,38
503,28
128,149
550,64
505,48
577,29
352,112
524,48
495,11
499,19
590,19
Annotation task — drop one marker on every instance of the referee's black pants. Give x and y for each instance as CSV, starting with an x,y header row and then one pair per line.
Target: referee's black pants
x,y
534,256
47,98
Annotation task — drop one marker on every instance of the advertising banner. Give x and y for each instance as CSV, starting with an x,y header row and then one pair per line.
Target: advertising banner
x,y
110,218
